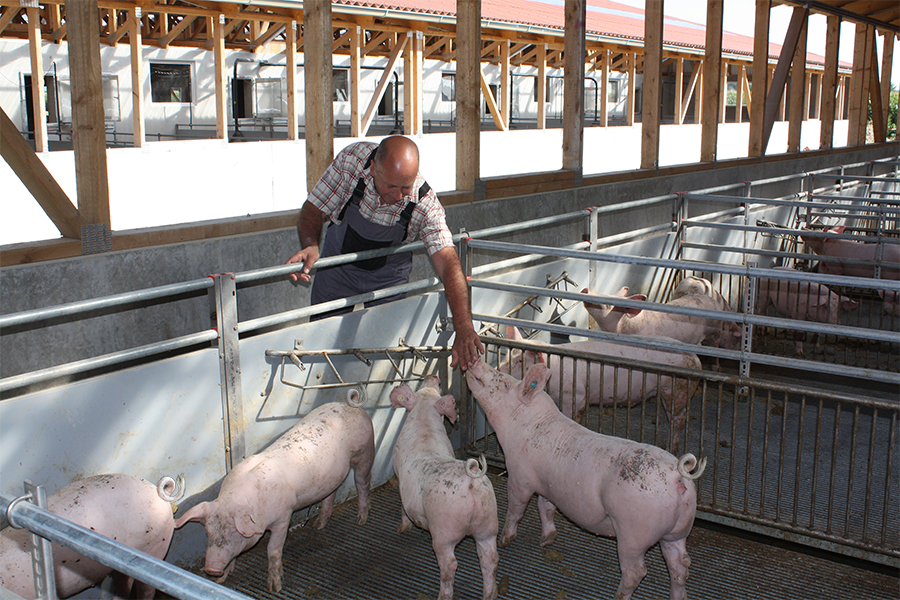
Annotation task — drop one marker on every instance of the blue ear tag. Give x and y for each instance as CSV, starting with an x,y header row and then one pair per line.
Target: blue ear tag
x,y
533,384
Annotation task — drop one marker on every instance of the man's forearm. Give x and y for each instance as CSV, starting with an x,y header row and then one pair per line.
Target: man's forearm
x,y
309,225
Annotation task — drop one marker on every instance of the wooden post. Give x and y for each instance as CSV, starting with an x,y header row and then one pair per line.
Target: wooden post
x,y
652,84
290,55
573,87
38,103
137,76
775,97
88,128
760,77
830,84
221,95
357,43
468,89
541,85
798,88
604,88
887,60
679,90
632,88
712,81
504,83
856,136
319,122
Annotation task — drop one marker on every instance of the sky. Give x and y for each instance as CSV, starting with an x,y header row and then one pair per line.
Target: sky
x,y
739,17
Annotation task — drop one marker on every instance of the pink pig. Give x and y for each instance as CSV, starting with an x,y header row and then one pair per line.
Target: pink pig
x,y
448,497
637,493
127,509
684,328
839,248
610,384
304,466
802,301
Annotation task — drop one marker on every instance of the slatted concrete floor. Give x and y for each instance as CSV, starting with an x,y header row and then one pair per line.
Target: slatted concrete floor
x,y
373,561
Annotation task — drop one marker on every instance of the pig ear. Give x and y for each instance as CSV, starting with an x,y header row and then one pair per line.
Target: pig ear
x,y
623,292
535,380
848,304
401,397
513,333
197,513
447,407
837,229
246,524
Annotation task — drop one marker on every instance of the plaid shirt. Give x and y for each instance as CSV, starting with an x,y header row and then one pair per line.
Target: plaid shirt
x,y
337,184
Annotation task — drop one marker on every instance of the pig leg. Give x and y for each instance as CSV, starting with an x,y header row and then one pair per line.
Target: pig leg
x,y
277,536
548,528
517,501
631,562
121,585
488,558
362,476
678,561
446,559
405,522
325,510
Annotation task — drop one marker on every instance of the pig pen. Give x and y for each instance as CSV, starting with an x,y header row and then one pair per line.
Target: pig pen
x,y
802,451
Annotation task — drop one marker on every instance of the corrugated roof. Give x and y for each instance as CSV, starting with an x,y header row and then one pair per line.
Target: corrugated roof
x,y
604,18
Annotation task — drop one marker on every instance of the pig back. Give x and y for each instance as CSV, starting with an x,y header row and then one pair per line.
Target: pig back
x,y
121,507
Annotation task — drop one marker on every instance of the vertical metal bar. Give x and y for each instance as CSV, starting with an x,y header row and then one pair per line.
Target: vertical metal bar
x,y
41,550
870,473
829,527
733,439
798,469
703,390
751,406
718,436
747,328
595,234
852,472
225,296
470,407
889,473
765,454
782,455
815,476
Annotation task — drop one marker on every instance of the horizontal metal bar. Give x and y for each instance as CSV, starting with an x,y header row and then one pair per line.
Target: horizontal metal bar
x,y
864,178
842,280
106,360
792,203
155,572
786,231
73,308
354,351
737,317
890,201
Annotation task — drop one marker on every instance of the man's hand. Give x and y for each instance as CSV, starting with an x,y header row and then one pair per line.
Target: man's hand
x,y
467,348
308,256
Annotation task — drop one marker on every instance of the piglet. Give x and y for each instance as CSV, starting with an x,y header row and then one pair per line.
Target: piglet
x,y
304,466
637,493
448,497
842,248
684,328
124,508
802,301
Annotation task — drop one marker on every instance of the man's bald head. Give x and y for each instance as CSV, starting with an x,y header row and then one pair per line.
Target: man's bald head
x,y
396,167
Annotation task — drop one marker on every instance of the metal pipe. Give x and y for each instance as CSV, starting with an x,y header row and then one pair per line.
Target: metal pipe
x,y
841,280
106,360
73,308
151,570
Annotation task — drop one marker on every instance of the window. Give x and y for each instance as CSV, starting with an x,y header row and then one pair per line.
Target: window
x,y
448,87
612,91
269,99
387,106
341,84
170,82
111,98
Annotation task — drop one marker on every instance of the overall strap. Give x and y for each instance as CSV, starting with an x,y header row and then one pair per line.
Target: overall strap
x,y
360,189
406,215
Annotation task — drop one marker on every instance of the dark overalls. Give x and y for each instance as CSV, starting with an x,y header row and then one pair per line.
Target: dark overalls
x,y
355,233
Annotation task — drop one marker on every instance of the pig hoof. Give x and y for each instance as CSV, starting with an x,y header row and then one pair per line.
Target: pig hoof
x,y
548,539
506,541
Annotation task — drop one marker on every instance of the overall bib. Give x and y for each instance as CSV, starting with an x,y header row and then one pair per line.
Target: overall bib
x,y
355,234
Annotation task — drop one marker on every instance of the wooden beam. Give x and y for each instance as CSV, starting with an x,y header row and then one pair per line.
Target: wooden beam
x,y
797,90
742,87
219,77
7,17
319,123
489,100
652,85
542,86
88,127
887,59
712,82
38,102
468,80
679,90
689,93
357,42
875,97
632,90
856,135
604,89
829,82
268,35
505,92
573,87
176,31
290,60
393,59
34,175
760,78
779,78
723,90
137,75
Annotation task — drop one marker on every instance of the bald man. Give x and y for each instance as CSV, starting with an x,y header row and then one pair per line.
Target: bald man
x,y
374,197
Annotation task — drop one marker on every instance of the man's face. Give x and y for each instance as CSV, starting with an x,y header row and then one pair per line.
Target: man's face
x,y
394,181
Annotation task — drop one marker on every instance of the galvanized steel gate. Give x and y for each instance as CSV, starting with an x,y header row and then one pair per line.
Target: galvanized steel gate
x,y
814,467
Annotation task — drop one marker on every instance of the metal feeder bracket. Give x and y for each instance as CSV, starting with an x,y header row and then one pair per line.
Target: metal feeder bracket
x,y
298,353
